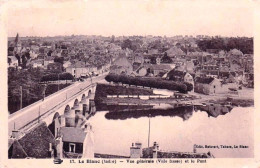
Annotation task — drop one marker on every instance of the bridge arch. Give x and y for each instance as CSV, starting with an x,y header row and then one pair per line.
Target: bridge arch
x,y
67,110
83,97
76,103
56,115
52,126
89,92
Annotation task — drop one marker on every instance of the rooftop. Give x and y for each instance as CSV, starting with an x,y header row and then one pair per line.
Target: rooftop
x,y
34,144
204,80
73,134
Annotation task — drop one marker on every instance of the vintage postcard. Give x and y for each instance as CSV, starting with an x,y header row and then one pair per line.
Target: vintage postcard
x,y
129,83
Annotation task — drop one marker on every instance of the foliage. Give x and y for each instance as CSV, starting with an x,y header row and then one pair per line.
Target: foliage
x,y
166,58
32,91
55,77
28,80
189,86
128,44
149,82
243,44
157,44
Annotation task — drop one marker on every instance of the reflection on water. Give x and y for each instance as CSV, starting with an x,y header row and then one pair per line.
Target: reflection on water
x,y
182,111
175,128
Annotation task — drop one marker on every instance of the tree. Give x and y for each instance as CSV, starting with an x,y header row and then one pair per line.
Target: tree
x,y
166,58
128,44
56,76
9,61
243,44
49,53
59,59
24,61
66,76
28,79
148,82
112,39
189,86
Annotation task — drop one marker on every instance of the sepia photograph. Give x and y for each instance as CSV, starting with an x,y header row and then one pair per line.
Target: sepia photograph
x,y
139,81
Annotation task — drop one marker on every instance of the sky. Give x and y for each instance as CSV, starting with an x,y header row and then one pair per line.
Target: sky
x,y
129,17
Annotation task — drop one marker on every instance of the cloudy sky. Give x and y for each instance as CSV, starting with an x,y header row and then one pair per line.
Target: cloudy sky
x,y
129,17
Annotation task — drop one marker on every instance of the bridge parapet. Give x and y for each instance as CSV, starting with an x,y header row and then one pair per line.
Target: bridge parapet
x,y
29,116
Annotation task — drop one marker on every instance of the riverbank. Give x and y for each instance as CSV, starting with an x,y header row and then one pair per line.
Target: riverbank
x,y
103,90
243,99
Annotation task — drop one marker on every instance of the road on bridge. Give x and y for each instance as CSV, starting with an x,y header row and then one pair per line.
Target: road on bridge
x,y
31,113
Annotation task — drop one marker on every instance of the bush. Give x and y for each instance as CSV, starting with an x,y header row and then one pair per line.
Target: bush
x,y
189,86
150,82
55,77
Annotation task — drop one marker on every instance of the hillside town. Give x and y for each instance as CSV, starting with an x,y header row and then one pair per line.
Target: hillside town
x,y
203,61
197,69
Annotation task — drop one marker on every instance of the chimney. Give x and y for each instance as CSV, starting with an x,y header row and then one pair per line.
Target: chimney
x,y
50,147
59,147
88,127
155,150
57,125
15,133
50,152
155,153
136,150
194,149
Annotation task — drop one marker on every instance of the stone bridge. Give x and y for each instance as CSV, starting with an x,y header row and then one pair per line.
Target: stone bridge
x,y
76,97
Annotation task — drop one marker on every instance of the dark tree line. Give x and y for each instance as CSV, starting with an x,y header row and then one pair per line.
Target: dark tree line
x,y
55,77
28,80
243,44
32,91
150,82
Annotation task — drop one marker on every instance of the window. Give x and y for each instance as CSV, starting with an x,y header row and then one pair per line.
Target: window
x,y
72,147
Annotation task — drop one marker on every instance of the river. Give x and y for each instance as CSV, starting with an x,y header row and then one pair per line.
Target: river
x,y
175,130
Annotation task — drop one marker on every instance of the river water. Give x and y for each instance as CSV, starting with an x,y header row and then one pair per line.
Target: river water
x,y
175,129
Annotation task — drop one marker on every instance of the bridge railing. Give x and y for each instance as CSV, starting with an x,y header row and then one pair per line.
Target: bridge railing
x,y
24,117
49,112
40,101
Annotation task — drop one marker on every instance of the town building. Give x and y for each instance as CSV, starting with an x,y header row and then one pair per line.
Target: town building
x,y
158,70
136,150
175,52
78,142
121,65
55,66
155,152
12,61
207,85
35,144
79,69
